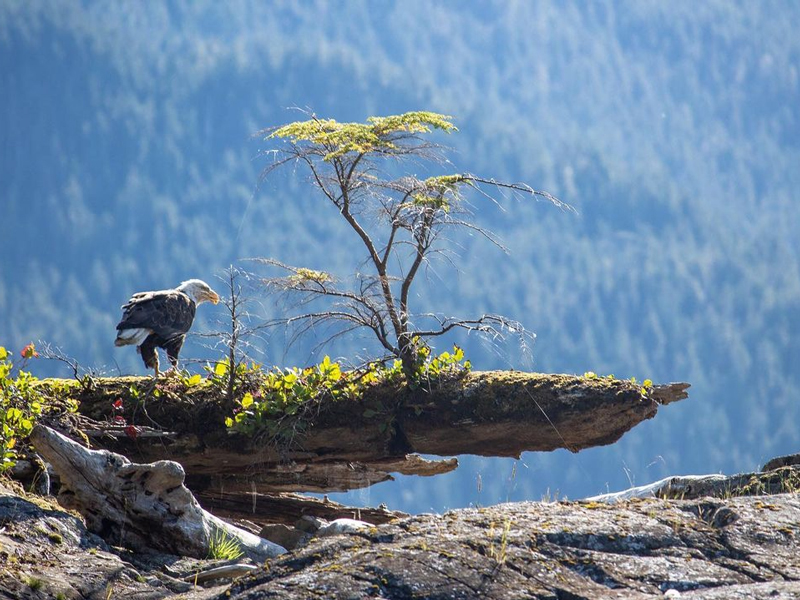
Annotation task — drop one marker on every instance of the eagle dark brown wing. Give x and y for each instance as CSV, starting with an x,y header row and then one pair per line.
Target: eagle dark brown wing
x,y
167,314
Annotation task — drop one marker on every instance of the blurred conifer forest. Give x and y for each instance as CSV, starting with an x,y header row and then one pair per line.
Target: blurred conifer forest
x,y
673,128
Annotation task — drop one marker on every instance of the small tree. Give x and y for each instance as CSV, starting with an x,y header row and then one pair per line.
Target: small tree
x,y
398,218
238,336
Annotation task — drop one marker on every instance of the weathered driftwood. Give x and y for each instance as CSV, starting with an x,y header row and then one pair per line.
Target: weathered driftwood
x,y
347,444
223,572
139,506
287,507
777,481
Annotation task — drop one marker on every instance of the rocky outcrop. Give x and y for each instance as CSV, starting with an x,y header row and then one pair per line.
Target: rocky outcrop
x,y
743,547
746,547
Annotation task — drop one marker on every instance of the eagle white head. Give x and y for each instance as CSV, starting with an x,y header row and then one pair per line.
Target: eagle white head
x,y
199,291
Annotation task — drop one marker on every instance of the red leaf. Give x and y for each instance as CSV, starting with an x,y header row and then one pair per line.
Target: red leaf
x,y
132,431
118,404
119,420
29,351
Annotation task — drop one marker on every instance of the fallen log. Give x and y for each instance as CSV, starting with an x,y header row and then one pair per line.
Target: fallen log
x,y
287,507
144,507
349,444
779,480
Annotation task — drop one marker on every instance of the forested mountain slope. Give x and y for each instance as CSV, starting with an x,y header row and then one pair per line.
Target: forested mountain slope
x,y
126,163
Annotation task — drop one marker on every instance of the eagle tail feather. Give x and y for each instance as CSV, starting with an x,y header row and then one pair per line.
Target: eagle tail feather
x,y
133,336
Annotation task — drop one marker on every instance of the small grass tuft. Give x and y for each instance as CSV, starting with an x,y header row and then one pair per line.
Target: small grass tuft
x,y
55,538
221,546
35,583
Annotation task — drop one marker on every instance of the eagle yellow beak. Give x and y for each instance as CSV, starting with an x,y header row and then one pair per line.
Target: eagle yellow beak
x,y
213,297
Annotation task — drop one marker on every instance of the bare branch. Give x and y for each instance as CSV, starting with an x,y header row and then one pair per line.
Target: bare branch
x,y
522,187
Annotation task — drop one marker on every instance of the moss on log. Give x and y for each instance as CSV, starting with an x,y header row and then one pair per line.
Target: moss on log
x,y
348,444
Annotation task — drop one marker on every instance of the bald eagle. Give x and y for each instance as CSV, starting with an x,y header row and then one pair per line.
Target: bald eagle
x,y
161,319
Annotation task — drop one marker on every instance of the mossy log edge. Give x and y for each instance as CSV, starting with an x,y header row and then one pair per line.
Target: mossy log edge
x,y
345,445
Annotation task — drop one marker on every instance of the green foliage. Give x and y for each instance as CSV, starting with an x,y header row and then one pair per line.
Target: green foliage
x,y
192,380
429,367
379,134
441,191
20,405
414,122
281,406
285,393
221,546
220,373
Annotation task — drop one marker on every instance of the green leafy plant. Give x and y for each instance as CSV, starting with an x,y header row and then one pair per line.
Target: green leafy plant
x,y
191,380
429,367
284,394
20,406
285,399
22,403
226,378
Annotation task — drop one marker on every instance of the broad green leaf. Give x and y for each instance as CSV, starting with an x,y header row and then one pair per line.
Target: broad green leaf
x,y
334,373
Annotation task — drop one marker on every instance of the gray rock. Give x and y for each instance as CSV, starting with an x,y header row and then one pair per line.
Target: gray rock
x,y
283,535
703,549
708,549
